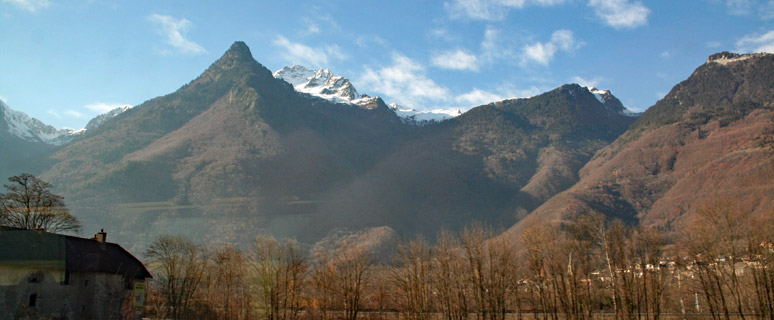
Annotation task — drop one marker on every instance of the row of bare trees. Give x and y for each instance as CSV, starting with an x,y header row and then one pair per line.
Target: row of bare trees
x,y
590,267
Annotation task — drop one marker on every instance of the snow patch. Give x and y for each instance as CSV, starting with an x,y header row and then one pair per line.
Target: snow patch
x,y
599,94
611,102
424,116
100,119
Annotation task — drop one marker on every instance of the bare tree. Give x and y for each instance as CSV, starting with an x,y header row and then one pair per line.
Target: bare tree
x,y
412,279
351,265
451,285
714,242
491,262
280,275
227,291
179,266
30,204
537,240
323,279
648,248
760,247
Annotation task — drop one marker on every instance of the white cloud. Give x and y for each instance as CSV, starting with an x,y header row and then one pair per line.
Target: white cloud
x,y
312,29
713,44
298,53
174,30
543,52
739,7
54,113
4,99
666,54
490,10
766,11
496,47
101,107
29,5
757,43
763,8
511,91
365,41
318,21
565,40
477,97
75,114
405,83
443,34
621,13
593,82
456,60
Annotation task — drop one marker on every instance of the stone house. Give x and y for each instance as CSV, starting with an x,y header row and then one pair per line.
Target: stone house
x,y
53,276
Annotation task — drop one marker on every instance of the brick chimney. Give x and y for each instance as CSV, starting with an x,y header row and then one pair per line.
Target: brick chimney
x,y
101,236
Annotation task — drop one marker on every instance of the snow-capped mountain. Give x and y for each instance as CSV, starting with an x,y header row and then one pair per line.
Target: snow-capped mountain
x,y
27,128
422,117
23,126
100,119
322,83
611,102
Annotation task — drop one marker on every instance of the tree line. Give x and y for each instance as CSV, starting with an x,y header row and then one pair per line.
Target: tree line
x,y
720,267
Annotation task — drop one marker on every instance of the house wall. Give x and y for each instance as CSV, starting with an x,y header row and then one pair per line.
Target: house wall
x,y
83,296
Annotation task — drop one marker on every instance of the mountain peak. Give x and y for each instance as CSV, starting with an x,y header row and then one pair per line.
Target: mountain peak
x,y
236,54
236,63
239,49
321,83
27,128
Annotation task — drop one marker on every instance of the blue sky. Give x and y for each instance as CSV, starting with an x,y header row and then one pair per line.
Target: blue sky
x,y
64,62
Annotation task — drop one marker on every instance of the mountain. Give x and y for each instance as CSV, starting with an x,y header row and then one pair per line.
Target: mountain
x,y
237,151
21,125
27,142
21,144
100,119
321,83
492,164
711,137
423,117
324,84
611,102
235,144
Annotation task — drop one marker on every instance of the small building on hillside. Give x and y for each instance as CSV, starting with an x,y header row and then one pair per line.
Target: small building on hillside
x,y
53,276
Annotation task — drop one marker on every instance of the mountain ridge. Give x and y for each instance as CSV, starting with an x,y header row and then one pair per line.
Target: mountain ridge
x,y
705,140
236,151
243,150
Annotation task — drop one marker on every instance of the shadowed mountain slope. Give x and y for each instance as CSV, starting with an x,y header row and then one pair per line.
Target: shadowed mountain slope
x,y
236,152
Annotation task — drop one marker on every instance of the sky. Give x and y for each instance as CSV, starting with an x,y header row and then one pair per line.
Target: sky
x,y
64,62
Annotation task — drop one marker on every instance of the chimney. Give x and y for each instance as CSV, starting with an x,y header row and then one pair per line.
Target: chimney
x,y
101,236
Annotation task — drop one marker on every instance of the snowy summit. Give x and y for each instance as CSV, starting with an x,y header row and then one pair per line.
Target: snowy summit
x,y
324,84
23,126
30,129
321,83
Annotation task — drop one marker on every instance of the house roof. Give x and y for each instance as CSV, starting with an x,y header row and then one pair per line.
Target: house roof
x,y
48,251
